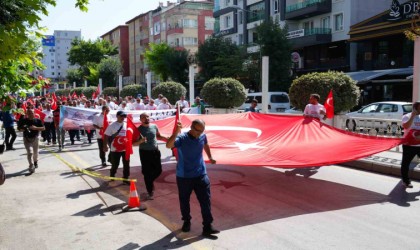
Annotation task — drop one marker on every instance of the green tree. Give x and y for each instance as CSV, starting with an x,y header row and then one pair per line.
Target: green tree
x,y
273,43
19,24
178,70
157,57
345,91
75,75
109,69
171,90
90,53
219,57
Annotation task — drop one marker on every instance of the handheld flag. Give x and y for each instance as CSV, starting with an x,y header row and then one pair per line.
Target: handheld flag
x,y
54,102
329,105
39,114
96,93
105,125
174,150
132,134
74,95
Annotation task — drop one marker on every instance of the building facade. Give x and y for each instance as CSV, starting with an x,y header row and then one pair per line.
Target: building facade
x,y
119,38
182,25
55,48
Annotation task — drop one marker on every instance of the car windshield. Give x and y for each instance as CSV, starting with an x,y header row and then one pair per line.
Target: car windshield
x,y
370,108
407,108
279,99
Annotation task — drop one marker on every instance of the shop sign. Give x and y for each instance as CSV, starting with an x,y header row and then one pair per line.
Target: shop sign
x,y
403,11
295,34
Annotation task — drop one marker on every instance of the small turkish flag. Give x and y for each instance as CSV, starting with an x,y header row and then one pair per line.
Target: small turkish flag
x,y
411,137
329,105
54,102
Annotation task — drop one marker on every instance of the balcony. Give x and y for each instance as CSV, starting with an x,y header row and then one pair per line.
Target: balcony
x,y
309,37
174,29
307,9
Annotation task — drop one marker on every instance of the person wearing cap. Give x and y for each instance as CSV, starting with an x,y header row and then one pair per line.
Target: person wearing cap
x,y
115,134
410,121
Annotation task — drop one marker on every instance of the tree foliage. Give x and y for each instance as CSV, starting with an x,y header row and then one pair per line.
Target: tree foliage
x,y
220,57
157,58
178,70
74,75
273,43
345,92
19,30
224,92
89,53
110,91
133,90
171,90
109,69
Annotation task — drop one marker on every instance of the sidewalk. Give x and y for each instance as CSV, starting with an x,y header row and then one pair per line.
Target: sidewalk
x,y
387,162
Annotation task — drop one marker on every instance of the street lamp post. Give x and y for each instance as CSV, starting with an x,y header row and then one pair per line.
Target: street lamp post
x,y
191,72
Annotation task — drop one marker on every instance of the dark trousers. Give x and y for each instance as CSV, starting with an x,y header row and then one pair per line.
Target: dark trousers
x,y
89,134
101,151
74,133
10,137
115,161
151,167
407,156
50,132
201,187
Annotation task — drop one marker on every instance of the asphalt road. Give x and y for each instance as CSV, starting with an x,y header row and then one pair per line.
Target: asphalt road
x,y
331,207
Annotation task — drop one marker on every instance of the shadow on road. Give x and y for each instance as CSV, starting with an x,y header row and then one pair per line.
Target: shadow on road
x,y
401,197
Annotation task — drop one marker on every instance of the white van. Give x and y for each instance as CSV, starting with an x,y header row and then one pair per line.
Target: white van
x,y
277,101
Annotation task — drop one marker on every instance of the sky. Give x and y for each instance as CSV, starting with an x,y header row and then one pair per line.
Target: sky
x,y
102,16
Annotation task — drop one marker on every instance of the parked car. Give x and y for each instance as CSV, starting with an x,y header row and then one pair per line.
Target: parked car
x,y
377,112
293,110
277,101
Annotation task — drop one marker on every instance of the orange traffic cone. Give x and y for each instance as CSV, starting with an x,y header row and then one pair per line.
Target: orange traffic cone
x,y
133,199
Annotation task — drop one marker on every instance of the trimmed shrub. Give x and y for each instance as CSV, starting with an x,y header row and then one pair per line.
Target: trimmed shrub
x,y
345,92
171,90
133,90
223,92
88,91
60,92
78,90
110,91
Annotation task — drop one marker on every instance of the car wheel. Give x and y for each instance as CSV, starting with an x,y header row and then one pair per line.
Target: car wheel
x,y
351,125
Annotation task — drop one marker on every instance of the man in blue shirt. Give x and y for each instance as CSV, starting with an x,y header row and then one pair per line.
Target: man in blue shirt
x,y
8,124
191,173
253,106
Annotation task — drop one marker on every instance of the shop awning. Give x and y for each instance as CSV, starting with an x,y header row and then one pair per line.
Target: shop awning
x,y
365,76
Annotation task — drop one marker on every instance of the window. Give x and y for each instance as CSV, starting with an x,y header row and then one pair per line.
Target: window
x,y
227,2
228,22
189,23
241,39
308,25
241,17
325,22
370,108
157,28
209,23
52,67
276,6
52,60
52,73
338,22
190,41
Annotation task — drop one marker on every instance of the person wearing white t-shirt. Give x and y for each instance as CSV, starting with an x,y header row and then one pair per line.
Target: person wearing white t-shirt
x,y
138,105
151,105
182,102
314,109
158,100
49,124
410,121
98,124
118,130
164,104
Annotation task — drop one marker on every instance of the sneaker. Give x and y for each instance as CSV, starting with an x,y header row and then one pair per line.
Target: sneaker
x,y
10,148
209,230
36,164
103,164
186,227
407,185
150,196
48,143
72,143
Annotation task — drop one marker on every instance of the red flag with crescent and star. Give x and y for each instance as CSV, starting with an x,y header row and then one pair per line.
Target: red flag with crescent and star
x,y
256,139
412,137
329,105
104,126
132,135
39,114
174,150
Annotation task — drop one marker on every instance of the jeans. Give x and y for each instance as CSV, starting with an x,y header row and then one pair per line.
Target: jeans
x,y
408,154
201,187
101,151
50,131
10,134
115,161
151,167
60,133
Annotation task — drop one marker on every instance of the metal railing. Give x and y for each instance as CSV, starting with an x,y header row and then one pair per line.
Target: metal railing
x,y
317,31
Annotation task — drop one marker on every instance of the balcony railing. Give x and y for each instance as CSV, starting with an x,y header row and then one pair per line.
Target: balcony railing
x,y
317,31
302,5
255,16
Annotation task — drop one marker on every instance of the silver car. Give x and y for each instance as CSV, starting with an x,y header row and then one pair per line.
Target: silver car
x,y
378,114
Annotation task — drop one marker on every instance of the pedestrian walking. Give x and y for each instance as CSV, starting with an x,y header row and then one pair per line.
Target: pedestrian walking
x,y
98,123
116,134
150,156
30,126
191,173
314,109
410,121
9,126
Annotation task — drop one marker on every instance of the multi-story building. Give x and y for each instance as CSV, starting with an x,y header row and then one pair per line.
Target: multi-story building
x,y
182,25
55,48
119,38
318,29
